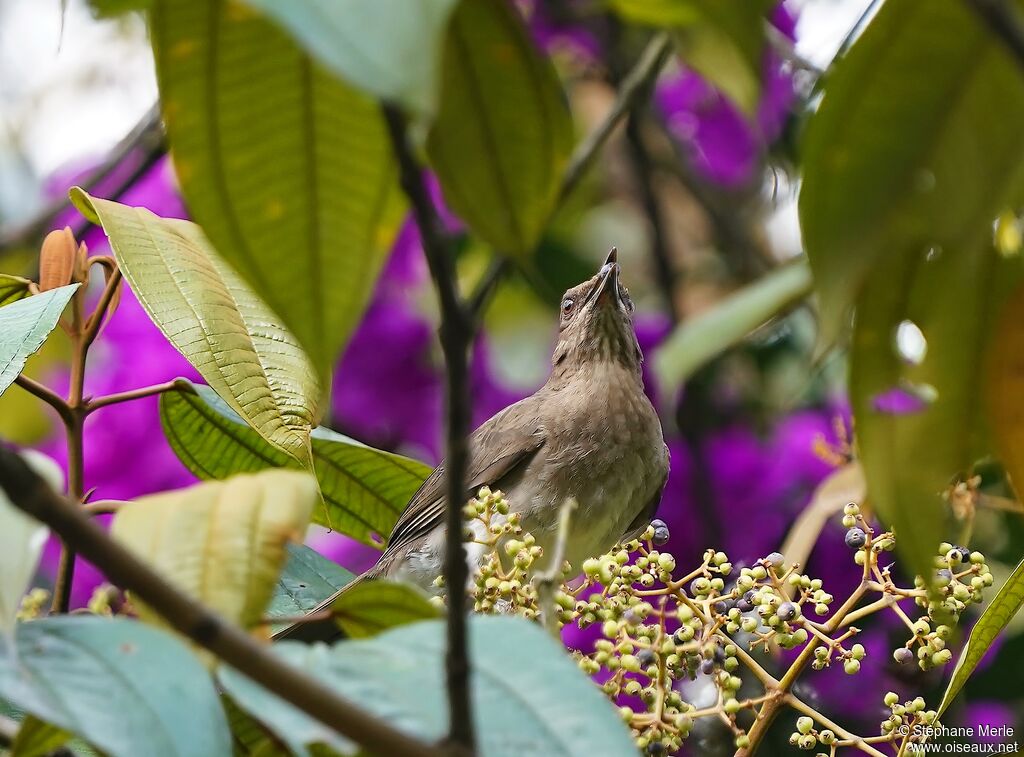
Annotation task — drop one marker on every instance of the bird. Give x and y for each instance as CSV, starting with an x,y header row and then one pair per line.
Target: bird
x,y
590,433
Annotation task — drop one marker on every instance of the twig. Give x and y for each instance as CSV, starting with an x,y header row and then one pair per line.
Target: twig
x,y
95,322
46,394
480,297
29,493
1004,20
666,278
148,135
855,740
635,86
131,394
456,332
547,580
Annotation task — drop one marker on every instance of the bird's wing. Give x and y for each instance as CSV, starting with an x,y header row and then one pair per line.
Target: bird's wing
x,y
645,516
499,447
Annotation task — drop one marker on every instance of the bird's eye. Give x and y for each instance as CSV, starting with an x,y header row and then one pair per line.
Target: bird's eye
x,y
567,305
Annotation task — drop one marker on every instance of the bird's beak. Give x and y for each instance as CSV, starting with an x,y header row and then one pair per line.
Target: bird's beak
x,y
608,286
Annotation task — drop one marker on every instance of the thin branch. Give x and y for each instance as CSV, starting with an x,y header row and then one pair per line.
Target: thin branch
x,y
854,739
1004,20
95,321
480,297
46,394
456,333
131,394
666,277
546,581
635,86
148,135
29,493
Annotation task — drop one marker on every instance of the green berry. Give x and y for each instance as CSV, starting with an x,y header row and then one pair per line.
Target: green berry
x,y
851,667
804,724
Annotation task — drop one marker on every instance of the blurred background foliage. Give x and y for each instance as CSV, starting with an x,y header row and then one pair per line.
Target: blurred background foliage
x,y
698,190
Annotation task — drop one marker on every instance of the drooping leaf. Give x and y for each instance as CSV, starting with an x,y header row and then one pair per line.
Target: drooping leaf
x,y
528,695
364,489
503,132
38,739
1005,387
223,542
250,738
388,48
919,418
124,687
24,326
307,580
287,169
695,342
12,288
1000,611
21,542
841,486
722,40
370,607
214,320
904,154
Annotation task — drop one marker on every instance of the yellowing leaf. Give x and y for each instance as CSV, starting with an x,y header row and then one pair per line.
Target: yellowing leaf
x,y
223,542
217,322
1006,387
841,486
287,168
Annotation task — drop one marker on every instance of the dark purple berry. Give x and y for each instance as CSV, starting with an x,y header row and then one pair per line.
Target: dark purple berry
x,y
744,606
775,559
903,656
786,611
661,536
655,747
721,607
646,657
856,538
707,667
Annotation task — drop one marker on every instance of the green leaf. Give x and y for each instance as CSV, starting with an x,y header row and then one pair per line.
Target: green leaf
x,y
722,40
503,132
695,342
529,697
919,418
388,48
38,739
250,738
222,542
214,320
1000,611
288,170
364,489
371,607
24,326
904,153
307,580
22,539
124,687
13,288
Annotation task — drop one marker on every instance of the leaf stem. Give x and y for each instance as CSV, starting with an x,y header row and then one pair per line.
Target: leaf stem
x,y
456,333
46,394
635,86
29,493
131,394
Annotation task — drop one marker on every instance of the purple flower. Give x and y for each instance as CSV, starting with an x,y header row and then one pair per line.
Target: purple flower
x,y
722,143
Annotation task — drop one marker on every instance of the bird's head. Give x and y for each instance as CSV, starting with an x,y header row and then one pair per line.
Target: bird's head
x,y
596,322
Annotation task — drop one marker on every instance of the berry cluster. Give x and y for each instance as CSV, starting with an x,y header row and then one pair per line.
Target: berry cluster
x,y
660,629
